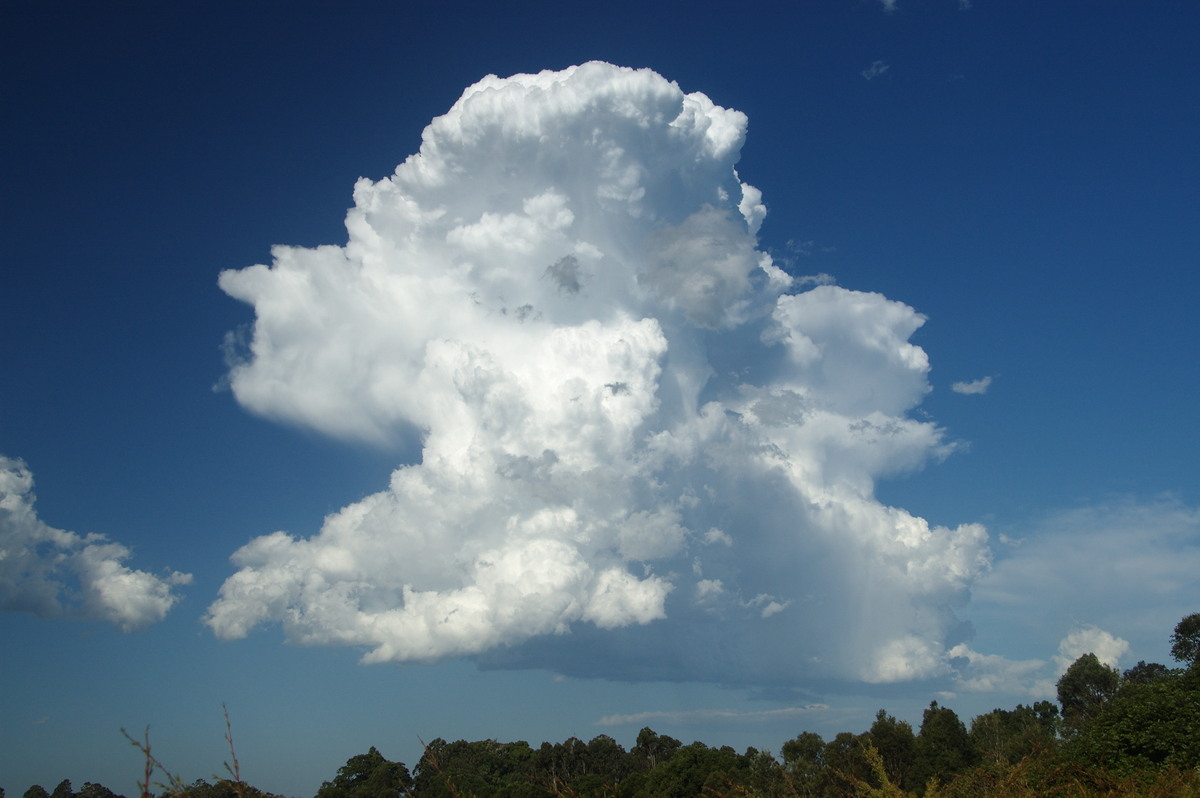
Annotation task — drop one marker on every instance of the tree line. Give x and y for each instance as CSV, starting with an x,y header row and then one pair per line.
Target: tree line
x,y
1135,732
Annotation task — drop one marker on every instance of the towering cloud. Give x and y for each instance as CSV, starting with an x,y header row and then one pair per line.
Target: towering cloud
x,y
50,572
640,436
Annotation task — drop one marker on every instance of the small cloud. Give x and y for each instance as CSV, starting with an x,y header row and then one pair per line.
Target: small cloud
x,y
964,5
714,535
979,386
988,673
773,608
816,279
889,6
876,69
53,573
1107,647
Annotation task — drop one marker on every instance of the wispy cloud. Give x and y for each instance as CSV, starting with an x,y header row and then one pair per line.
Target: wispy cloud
x,y
979,386
1107,578
876,69
889,6
708,715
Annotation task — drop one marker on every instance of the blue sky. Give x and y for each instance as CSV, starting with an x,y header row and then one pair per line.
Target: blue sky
x,y
684,466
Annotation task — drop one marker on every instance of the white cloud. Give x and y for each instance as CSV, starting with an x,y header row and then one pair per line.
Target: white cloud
x,y
876,68
992,673
979,386
51,572
1128,565
631,430
1090,640
888,5
1116,576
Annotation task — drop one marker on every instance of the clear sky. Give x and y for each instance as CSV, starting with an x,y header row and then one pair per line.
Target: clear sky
x,y
779,363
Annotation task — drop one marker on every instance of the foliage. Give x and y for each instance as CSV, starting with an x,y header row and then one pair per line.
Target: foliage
x,y
1147,726
1185,641
368,775
484,769
804,763
1143,673
896,745
691,769
221,788
943,747
1011,735
885,788
90,790
1084,690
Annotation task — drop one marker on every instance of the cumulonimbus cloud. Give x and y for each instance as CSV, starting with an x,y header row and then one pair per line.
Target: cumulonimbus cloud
x,y
51,572
638,431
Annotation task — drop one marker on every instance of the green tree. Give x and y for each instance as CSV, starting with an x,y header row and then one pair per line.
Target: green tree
x,y
1147,726
846,765
368,775
1144,673
90,790
485,769
765,776
1007,736
804,762
943,747
1185,641
1083,691
692,768
652,749
63,790
896,744
36,791
223,788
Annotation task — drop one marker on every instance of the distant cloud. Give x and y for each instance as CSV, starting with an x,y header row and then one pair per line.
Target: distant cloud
x,y
991,673
979,386
1102,561
1034,678
1091,640
876,69
708,715
1115,577
642,437
49,572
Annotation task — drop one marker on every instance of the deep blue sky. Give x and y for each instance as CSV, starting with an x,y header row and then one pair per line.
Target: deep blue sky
x,y
1026,175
